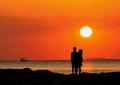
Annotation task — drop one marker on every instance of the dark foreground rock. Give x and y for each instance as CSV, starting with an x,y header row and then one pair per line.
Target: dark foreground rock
x,y
45,77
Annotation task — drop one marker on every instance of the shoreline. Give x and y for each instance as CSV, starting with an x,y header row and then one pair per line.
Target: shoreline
x,y
27,76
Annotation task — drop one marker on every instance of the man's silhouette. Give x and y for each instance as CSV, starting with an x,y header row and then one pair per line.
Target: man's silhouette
x,y
74,56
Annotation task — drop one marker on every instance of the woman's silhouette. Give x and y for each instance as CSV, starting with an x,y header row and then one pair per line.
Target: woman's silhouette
x,y
80,59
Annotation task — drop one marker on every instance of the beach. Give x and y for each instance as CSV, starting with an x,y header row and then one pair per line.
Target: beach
x,y
27,76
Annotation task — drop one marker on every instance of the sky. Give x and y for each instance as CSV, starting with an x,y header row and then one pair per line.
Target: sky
x,y
49,29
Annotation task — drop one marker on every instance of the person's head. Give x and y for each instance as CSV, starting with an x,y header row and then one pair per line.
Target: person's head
x,y
74,49
80,50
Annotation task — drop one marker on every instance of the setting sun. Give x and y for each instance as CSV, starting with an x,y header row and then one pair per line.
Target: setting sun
x,y
86,31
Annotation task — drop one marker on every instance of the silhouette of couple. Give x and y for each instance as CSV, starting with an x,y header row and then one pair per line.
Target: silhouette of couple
x,y
76,60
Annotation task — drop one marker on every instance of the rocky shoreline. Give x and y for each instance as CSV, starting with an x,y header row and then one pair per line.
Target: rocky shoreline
x,y
27,76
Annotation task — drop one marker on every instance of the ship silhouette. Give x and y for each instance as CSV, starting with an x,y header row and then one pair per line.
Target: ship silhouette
x,y
23,59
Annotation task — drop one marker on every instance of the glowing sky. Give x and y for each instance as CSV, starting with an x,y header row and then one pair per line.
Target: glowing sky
x,y
48,29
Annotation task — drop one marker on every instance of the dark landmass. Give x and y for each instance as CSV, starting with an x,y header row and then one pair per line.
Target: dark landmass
x,y
27,76
102,59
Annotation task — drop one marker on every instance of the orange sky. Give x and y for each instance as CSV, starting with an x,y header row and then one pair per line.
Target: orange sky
x,y
48,29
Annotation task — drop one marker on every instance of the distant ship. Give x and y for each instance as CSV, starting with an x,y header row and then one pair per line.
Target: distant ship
x,y
23,59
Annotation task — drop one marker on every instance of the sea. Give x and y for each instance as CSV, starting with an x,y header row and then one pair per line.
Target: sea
x,y
64,66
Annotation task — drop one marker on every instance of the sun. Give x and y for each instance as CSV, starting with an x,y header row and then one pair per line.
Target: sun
x,y
85,31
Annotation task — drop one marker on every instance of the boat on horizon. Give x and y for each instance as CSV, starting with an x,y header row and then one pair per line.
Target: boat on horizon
x,y
23,59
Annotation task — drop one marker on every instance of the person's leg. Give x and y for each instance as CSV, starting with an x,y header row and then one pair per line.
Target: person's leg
x,y
72,70
76,70
80,70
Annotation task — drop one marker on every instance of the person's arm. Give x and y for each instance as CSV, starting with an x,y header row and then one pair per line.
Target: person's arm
x,y
71,57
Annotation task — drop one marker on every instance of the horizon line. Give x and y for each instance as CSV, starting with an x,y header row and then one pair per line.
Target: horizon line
x,y
63,60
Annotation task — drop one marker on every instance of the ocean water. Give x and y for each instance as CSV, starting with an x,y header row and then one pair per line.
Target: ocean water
x,y
64,66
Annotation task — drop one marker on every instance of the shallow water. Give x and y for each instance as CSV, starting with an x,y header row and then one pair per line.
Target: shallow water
x,y
64,66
